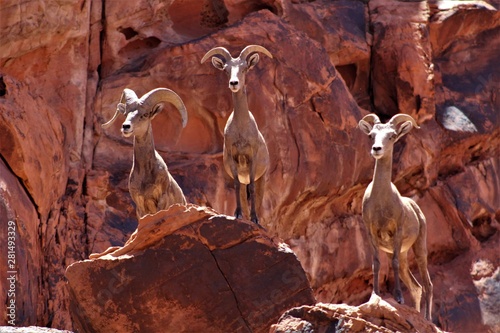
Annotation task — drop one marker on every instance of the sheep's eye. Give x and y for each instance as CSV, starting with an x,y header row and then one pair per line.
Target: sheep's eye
x,y
393,136
371,136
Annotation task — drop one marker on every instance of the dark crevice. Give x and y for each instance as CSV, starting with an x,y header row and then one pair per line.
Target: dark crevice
x,y
85,220
313,107
135,48
349,74
102,38
231,289
418,103
370,30
270,8
247,325
129,33
482,228
3,87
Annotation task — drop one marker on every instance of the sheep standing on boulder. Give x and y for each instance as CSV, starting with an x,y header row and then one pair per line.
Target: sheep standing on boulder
x,y
151,186
394,223
246,157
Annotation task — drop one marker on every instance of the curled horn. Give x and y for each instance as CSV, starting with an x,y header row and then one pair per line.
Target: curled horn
x,y
400,117
217,51
128,99
106,125
254,48
159,95
372,117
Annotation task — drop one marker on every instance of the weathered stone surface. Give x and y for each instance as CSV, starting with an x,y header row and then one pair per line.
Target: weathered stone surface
x,y
188,269
341,28
43,80
19,252
467,95
376,315
402,69
63,66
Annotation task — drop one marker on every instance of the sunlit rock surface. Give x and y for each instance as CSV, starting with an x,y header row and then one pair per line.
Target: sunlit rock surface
x,y
63,67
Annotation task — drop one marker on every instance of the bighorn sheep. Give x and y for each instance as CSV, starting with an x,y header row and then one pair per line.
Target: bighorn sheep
x,y
245,153
151,186
394,223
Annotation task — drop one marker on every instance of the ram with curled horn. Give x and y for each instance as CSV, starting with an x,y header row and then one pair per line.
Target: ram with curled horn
x,y
394,223
151,185
245,153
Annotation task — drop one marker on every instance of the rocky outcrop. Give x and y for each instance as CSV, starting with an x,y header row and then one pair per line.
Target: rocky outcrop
x,y
62,70
376,315
188,269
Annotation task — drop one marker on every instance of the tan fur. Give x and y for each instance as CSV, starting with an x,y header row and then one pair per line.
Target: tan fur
x,y
151,186
394,223
245,155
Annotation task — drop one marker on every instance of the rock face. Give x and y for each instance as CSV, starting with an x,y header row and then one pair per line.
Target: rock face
x,y
188,270
376,315
63,180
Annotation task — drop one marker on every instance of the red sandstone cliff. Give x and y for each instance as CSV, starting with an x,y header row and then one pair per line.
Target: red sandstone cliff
x,y
63,180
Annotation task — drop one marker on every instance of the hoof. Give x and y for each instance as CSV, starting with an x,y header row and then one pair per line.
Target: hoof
x,y
238,214
253,217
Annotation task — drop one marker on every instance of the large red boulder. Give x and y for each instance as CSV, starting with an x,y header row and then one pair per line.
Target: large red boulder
x,y
188,269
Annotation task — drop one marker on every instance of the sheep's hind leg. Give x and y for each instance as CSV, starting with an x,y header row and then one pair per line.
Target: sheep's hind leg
x,y
237,185
409,280
420,251
427,285
251,192
259,194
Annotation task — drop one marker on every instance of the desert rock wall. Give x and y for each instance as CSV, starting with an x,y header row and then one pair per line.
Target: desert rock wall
x,y
63,180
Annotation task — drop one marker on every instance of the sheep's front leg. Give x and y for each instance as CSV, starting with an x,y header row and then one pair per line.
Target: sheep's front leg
x,y
398,294
238,212
251,191
375,266
253,213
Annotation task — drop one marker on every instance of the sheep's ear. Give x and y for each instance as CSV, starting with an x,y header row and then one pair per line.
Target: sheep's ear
x,y
365,126
253,60
156,109
122,108
218,63
404,129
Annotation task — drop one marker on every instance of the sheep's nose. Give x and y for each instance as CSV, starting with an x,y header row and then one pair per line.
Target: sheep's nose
x,y
126,126
233,83
376,148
